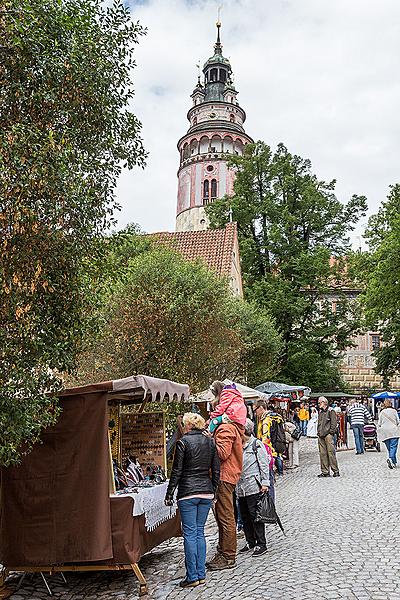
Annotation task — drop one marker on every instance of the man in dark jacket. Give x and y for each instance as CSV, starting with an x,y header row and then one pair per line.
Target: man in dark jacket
x,y
326,429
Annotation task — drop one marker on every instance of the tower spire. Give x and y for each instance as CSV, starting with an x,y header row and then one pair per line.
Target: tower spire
x,y
218,45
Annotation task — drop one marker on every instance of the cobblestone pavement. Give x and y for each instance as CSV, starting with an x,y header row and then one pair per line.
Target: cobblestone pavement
x,y
342,543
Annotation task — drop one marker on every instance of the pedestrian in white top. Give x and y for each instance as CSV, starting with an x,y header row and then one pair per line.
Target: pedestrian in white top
x,y
389,431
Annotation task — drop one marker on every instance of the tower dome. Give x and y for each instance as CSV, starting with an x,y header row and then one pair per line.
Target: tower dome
x,y
216,130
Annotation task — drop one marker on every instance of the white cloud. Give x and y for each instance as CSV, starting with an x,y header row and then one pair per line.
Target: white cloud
x,y
320,76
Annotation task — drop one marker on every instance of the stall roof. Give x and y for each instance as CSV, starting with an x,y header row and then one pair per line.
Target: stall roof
x,y
249,394
139,386
274,387
333,395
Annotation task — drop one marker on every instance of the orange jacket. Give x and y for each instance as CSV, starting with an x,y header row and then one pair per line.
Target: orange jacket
x,y
228,440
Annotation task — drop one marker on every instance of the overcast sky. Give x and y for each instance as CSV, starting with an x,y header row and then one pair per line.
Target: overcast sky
x,y
320,76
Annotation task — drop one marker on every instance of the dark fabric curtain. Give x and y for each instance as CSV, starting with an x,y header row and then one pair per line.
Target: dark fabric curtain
x,y
55,506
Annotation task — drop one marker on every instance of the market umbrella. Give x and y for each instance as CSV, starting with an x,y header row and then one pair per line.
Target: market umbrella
x,y
383,395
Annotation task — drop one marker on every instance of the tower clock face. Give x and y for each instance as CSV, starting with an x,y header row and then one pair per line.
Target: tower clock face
x,y
212,115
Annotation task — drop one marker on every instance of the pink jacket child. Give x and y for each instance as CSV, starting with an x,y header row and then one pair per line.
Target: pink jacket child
x,y
230,408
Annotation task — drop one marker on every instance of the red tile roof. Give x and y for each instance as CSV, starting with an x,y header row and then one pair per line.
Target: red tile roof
x,y
214,246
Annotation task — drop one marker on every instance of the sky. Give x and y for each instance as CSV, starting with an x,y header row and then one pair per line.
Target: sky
x,y
320,76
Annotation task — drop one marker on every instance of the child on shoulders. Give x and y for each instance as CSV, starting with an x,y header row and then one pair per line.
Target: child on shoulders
x,y
228,407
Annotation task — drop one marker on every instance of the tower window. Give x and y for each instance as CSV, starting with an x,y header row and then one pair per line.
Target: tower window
x,y
232,118
222,75
214,74
206,190
375,339
195,121
213,189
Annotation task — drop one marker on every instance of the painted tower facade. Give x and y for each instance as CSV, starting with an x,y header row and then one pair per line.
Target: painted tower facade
x,y
216,129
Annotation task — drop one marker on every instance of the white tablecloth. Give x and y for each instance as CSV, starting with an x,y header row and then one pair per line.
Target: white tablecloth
x,y
150,502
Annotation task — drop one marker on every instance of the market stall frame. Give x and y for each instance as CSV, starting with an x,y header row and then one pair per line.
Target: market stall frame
x,y
133,390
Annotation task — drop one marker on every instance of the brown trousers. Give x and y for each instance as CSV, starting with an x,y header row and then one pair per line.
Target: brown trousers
x,y
327,455
225,516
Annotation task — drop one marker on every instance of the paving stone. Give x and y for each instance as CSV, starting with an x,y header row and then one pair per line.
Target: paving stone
x,y
340,544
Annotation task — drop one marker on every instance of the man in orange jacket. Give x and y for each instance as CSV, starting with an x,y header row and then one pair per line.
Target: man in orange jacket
x,y
228,440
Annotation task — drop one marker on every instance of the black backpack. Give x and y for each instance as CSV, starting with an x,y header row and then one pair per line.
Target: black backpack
x,y
277,436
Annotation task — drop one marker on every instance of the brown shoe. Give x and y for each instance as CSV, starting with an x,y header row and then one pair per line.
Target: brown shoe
x,y
220,563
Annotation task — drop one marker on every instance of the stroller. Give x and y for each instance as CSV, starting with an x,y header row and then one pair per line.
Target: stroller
x,y
371,437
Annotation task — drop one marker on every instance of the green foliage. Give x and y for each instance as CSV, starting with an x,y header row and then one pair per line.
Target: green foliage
x,y
379,271
290,224
170,318
65,131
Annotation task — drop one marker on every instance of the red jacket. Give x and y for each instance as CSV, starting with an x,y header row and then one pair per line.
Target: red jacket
x,y
231,404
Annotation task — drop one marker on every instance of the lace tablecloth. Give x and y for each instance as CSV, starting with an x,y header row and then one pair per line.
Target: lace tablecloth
x,y
150,502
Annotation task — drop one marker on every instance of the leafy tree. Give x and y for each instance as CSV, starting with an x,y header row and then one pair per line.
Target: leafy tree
x,y
380,274
167,317
290,224
65,130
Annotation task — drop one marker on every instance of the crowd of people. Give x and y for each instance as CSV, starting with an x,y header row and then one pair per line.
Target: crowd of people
x,y
228,464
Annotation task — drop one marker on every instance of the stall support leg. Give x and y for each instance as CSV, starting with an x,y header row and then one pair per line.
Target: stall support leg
x,y
143,590
20,582
46,584
5,592
63,577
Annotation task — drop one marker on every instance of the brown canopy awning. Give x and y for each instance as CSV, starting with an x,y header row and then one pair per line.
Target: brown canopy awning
x,y
135,387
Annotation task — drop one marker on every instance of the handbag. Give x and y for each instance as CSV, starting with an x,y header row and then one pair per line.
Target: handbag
x,y
296,434
266,511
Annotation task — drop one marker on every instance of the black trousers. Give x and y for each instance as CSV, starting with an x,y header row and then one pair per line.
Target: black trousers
x,y
254,532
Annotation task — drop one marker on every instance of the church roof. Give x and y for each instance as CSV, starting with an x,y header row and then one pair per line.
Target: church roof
x,y
214,246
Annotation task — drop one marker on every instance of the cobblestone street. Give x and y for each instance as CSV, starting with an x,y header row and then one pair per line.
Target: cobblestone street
x,y
342,542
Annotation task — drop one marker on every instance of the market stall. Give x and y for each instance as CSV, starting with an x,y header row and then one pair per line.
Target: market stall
x,y
284,396
61,509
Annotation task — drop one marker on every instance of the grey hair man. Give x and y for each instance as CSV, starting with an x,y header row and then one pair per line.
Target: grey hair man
x,y
326,429
253,481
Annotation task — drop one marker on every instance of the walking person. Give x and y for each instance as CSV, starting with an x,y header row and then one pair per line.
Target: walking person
x,y
253,481
389,431
358,415
292,444
326,429
195,472
304,417
228,441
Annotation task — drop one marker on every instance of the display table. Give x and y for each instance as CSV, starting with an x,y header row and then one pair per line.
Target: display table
x,y
149,501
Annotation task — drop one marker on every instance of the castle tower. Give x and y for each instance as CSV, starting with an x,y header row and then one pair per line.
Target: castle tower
x,y
216,129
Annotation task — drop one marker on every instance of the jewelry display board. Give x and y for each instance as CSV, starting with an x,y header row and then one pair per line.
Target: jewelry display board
x,y
114,430
143,436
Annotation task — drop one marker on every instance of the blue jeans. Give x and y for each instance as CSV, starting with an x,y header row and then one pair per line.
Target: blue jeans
x,y
279,464
303,427
272,484
194,513
358,432
391,445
